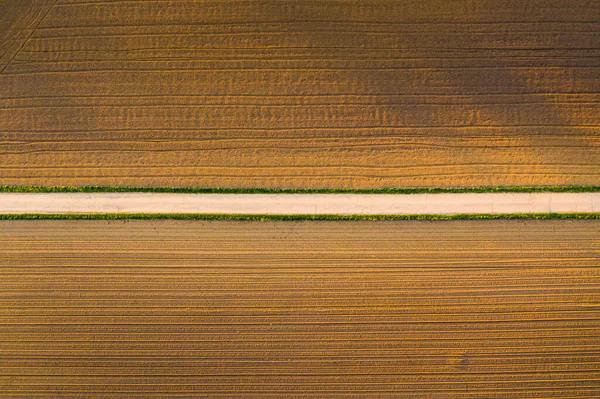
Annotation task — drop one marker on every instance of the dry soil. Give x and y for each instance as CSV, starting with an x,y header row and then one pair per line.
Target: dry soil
x,y
324,93
165,309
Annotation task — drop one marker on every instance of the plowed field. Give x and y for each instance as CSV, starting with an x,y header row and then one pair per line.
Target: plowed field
x,y
161,309
310,94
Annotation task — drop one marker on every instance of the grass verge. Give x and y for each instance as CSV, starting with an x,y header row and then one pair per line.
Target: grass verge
x,y
206,190
187,216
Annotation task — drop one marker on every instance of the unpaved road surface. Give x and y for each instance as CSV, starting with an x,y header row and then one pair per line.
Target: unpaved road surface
x,y
172,309
309,94
299,204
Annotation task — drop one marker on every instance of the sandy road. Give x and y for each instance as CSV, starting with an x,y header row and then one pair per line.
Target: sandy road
x,y
181,309
275,204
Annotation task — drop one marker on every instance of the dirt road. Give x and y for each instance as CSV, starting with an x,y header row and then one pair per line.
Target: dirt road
x,y
290,204
172,309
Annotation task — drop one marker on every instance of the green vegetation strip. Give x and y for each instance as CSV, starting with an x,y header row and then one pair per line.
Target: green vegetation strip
x,y
188,216
200,190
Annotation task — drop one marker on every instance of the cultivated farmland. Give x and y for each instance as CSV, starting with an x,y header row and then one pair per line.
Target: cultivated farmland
x,y
165,309
310,94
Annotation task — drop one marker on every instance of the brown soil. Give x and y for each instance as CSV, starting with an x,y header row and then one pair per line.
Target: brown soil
x,y
328,93
164,309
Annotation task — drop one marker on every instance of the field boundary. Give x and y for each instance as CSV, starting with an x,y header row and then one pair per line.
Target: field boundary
x,y
231,190
265,217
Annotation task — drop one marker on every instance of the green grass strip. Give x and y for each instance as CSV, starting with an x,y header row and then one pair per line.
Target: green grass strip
x,y
223,190
186,216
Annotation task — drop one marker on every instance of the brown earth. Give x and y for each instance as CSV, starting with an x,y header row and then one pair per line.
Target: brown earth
x,y
161,309
327,93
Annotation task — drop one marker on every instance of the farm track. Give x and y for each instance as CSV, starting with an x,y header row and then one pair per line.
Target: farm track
x,y
354,94
96,309
298,204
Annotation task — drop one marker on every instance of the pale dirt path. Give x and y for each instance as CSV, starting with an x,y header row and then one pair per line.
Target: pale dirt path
x,y
313,204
